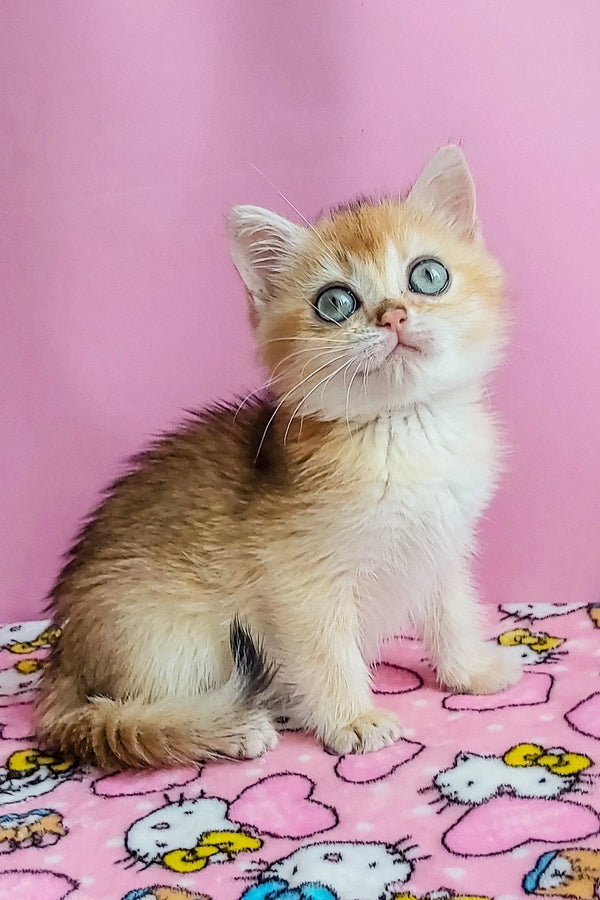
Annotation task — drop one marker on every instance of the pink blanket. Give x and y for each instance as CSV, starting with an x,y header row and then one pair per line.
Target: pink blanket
x,y
493,797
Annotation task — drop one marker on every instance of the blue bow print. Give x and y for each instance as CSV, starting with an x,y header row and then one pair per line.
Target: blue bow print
x,y
275,889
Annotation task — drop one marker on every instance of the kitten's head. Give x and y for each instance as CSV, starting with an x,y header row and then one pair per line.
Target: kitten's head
x,y
379,305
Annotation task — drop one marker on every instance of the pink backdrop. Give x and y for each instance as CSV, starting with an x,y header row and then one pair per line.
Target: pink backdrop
x,y
129,128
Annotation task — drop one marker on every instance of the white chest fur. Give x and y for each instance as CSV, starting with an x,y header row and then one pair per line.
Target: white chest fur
x,y
422,480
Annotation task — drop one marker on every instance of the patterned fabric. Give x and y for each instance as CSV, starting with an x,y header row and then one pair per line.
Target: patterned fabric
x,y
483,797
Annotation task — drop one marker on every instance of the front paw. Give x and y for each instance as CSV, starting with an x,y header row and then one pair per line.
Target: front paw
x,y
371,730
493,671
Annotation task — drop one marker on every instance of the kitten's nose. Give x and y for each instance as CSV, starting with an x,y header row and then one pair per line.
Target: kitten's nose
x,y
394,317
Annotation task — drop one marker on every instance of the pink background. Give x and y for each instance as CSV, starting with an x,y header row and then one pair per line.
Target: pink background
x,y
128,130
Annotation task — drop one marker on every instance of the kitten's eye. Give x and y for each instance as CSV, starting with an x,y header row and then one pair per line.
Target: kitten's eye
x,y
428,276
336,304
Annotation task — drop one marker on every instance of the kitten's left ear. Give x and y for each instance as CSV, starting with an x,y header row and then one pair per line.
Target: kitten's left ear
x,y
446,187
262,245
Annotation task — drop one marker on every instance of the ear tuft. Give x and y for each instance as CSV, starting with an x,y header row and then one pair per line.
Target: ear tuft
x,y
446,187
262,244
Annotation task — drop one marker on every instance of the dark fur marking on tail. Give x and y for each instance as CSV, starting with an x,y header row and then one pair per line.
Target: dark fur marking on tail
x,y
250,661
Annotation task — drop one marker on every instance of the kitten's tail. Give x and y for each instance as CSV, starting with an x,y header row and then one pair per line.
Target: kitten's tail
x,y
231,721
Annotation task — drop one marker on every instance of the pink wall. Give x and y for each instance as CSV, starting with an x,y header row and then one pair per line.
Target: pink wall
x,y
128,129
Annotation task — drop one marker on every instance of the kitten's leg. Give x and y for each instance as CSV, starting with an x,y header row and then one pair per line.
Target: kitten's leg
x,y
324,668
464,661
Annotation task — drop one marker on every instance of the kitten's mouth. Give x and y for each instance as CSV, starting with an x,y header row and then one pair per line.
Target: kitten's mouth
x,y
404,347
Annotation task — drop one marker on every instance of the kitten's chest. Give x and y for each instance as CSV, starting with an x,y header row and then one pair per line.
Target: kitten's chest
x,y
420,478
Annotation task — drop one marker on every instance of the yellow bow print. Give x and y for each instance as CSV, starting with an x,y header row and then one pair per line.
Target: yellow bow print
x,y
228,842
537,642
449,897
48,637
29,666
556,760
23,762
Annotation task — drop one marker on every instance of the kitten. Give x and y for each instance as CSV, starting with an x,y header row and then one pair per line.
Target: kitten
x,y
367,464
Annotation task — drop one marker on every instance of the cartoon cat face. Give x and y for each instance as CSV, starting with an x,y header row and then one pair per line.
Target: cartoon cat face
x,y
27,636
565,873
474,779
352,871
529,647
442,894
20,679
533,611
35,828
160,892
177,826
29,773
185,835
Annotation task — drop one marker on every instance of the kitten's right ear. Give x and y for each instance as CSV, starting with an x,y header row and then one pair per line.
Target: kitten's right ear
x,y
262,244
445,186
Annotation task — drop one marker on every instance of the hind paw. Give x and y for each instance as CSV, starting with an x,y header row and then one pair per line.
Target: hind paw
x,y
255,736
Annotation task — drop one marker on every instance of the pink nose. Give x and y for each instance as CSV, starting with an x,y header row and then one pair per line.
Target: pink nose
x,y
394,318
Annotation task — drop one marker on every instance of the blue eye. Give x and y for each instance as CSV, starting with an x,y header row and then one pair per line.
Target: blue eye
x,y
428,276
336,304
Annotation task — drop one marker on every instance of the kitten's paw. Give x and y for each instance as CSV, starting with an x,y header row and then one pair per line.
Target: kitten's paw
x,y
255,736
495,671
372,730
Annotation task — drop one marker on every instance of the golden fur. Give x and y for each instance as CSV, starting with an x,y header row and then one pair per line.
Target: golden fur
x,y
325,513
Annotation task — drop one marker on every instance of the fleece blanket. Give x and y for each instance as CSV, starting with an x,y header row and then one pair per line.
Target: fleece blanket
x,y
484,797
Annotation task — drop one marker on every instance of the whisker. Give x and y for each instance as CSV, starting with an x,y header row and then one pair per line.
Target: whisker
x,y
284,398
291,205
322,382
442,809
349,388
305,339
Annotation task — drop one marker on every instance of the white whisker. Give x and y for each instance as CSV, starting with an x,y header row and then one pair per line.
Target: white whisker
x,y
304,399
355,373
285,397
291,205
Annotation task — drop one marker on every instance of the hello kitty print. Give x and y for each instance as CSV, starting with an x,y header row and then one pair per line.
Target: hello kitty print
x,y
483,798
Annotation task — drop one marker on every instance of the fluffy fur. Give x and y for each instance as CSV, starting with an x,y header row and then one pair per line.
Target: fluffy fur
x,y
328,513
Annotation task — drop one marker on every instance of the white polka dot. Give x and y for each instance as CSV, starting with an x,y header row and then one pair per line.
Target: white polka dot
x,y
495,727
380,788
520,852
420,702
115,842
408,732
86,880
422,811
53,859
454,873
454,716
547,717
431,770
254,773
144,805
305,757
364,826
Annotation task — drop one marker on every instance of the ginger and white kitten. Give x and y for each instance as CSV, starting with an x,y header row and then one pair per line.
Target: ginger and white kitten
x,y
368,463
